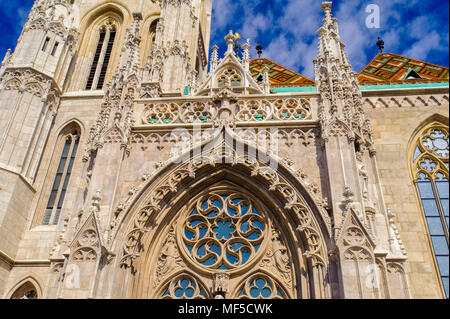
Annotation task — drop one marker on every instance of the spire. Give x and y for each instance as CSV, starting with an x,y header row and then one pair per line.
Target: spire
x,y
337,82
326,7
129,59
230,38
214,57
246,55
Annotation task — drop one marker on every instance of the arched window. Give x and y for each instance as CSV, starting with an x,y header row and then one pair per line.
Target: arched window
x,y
102,56
430,169
230,78
153,30
148,41
69,138
25,291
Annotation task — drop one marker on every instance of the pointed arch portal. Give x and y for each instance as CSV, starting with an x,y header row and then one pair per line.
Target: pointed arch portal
x,y
229,226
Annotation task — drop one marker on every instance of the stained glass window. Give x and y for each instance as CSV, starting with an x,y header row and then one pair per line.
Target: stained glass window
x,y
184,287
430,159
260,286
223,231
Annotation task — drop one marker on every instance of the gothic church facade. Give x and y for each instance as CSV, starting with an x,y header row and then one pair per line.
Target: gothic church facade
x,y
137,163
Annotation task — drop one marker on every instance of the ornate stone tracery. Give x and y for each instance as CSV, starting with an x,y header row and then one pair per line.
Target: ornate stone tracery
x,y
223,231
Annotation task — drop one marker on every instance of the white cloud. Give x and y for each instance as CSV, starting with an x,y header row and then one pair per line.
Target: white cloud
x,y
421,49
289,28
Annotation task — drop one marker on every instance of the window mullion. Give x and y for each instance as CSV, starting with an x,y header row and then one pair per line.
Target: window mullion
x,y
102,58
440,209
63,177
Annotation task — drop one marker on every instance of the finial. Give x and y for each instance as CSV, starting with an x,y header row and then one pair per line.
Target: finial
x,y
327,5
259,49
380,44
214,57
230,38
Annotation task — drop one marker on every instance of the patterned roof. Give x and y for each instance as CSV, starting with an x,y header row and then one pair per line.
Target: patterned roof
x,y
393,68
279,76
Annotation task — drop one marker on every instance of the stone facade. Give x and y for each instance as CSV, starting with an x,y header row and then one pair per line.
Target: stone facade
x,y
175,182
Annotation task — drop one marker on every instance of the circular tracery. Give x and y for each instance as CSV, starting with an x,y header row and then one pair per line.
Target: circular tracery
x,y
223,231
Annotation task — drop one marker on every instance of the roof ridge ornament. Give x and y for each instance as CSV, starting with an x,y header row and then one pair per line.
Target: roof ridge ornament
x,y
326,7
380,45
230,38
259,49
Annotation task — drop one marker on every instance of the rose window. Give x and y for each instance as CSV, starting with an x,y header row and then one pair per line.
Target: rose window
x,y
223,231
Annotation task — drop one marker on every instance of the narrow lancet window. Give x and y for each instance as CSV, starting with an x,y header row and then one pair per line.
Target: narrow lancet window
x,y
62,177
430,158
102,57
106,60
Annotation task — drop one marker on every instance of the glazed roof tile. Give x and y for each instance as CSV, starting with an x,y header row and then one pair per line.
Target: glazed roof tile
x,y
393,68
279,76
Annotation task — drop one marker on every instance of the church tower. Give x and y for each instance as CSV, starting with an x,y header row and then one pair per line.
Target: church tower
x,y
72,59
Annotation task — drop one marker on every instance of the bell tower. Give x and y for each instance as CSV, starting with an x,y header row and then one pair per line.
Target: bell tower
x,y
181,45
74,53
31,81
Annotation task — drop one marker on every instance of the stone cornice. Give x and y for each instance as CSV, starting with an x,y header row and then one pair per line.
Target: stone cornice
x,y
19,263
29,68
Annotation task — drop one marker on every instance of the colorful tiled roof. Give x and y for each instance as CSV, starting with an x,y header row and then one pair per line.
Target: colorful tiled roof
x,y
279,76
392,68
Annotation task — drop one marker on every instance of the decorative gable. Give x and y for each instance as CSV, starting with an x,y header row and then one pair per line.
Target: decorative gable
x,y
230,74
87,244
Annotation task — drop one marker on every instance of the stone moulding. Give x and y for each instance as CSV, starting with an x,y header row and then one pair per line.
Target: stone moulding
x,y
279,186
244,110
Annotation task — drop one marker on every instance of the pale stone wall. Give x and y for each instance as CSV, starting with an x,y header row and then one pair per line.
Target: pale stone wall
x,y
394,128
326,181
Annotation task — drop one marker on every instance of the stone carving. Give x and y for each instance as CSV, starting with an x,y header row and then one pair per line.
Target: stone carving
x,y
84,254
277,259
223,230
221,284
408,102
169,258
357,254
340,106
276,184
396,244
28,80
245,111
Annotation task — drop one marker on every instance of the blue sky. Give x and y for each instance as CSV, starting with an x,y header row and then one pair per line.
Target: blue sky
x,y
288,28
